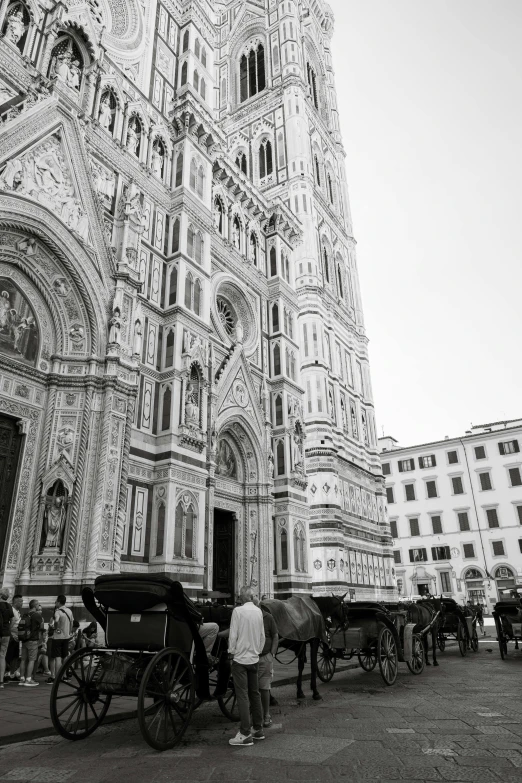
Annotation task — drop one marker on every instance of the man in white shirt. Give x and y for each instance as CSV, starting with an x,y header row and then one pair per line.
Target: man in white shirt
x,y
245,644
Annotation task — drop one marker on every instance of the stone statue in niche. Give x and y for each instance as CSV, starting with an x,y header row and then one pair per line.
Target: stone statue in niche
x,y
271,464
192,404
115,327
365,428
297,452
15,27
65,441
157,162
235,236
105,115
133,138
54,517
240,334
138,338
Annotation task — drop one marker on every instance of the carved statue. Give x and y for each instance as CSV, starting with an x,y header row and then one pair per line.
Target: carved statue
x,y
365,428
65,440
297,452
213,439
157,163
235,235
115,327
105,115
355,429
271,464
192,404
15,27
54,523
132,139
11,175
239,333
138,338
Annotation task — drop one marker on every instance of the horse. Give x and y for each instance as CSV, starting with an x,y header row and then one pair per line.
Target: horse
x,y
300,622
427,616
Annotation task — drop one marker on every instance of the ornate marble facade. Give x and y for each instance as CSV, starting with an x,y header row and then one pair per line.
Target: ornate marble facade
x,y
184,378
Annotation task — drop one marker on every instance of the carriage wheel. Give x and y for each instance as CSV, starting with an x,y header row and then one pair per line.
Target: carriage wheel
x,y
169,681
502,643
368,658
228,702
416,665
474,641
326,662
462,641
387,656
441,641
77,707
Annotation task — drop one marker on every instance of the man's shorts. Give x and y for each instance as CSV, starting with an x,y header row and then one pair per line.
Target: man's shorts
x,y
30,650
266,671
60,648
4,644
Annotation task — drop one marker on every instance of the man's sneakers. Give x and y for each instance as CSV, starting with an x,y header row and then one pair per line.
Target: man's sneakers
x,y
31,683
267,722
258,735
22,681
241,740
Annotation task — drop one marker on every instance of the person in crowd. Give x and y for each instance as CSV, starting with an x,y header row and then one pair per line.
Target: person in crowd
x,y
6,615
13,651
245,644
88,637
49,650
42,666
266,664
480,617
74,640
29,632
63,632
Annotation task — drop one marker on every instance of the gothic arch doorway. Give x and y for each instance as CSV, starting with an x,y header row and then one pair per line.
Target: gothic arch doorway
x,y
224,552
10,444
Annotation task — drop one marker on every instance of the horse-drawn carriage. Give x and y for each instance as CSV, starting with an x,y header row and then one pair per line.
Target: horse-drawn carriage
x,y
508,620
377,634
154,652
456,626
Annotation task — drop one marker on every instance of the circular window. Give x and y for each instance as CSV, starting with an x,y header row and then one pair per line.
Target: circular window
x,y
226,315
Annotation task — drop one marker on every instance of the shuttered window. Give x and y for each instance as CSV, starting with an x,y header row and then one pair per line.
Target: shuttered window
x,y
393,528
389,495
436,522
509,447
418,555
410,491
492,516
414,527
427,462
397,555
386,469
519,513
431,489
458,488
480,452
515,477
485,481
440,553
469,550
463,521
498,548
453,457
406,465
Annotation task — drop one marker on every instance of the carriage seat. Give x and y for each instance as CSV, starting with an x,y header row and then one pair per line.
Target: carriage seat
x,y
146,612
512,608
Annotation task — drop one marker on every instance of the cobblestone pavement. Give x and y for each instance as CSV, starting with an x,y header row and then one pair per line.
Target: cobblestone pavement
x,y
460,722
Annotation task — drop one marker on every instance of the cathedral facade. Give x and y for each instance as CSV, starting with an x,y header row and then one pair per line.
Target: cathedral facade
x,y
184,377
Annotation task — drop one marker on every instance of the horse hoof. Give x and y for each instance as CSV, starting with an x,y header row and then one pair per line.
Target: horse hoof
x,y
301,696
428,663
317,697
435,663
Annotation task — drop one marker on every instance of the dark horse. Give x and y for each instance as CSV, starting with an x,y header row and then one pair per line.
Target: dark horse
x,y
427,614
300,622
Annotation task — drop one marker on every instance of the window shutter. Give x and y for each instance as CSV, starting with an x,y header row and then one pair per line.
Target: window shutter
x,y
400,466
447,553
434,553
501,448
433,461
412,555
421,462
424,554
516,448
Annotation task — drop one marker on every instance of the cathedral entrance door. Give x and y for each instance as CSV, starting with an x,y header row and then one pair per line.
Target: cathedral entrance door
x,y
10,442
224,551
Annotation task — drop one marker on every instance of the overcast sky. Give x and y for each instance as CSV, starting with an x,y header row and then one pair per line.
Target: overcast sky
x,y
430,101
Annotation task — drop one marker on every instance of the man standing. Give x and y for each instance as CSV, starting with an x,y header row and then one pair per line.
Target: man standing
x,y
245,644
13,651
266,664
30,645
63,631
6,615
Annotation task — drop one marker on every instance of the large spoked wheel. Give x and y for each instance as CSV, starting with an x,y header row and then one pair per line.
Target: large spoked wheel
x,y
474,640
77,707
416,665
441,641
502,645
462,641
166,699
387,656
368,658
228,702
326,662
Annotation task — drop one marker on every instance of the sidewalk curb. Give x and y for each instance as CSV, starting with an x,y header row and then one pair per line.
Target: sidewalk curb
x,y
49,731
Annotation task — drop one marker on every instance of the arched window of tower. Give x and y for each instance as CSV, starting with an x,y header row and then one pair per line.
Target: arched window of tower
x,y
197,48
275,318
284,549
179,170
195,82
277,359
173,286
175,235
266,165
279,411
166,410
204,57
197,297
186,40
326,265
241,162
252,79
280,458
312,85
169,352
273,262
189,289
203,89
340,281
184,74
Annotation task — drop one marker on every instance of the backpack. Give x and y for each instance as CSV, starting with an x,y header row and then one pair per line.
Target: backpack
x,y
24,628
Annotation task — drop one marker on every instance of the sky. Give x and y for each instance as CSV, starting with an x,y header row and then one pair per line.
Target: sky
x,y
429,95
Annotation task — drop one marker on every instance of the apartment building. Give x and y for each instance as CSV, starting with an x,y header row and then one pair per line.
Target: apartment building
x,y
455,511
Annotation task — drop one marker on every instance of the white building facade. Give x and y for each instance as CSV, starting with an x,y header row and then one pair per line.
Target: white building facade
x,y
184,376
455,510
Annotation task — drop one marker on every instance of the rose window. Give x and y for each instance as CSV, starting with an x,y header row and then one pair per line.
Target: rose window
x,y
226,316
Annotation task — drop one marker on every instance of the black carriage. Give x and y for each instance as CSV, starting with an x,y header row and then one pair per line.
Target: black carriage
x,y
508,621
455,625
154,652
376,635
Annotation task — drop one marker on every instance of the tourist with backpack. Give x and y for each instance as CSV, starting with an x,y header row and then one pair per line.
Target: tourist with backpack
x,y
6,615
63,632
29,630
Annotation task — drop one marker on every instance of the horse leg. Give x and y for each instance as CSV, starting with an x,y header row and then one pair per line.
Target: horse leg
x,y
300,667
434,634
426,649
314,647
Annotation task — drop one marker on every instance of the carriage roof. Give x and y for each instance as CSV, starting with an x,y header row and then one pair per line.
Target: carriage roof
x,y
140,592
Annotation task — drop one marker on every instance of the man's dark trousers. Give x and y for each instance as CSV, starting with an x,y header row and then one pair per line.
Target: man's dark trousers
x,y
248,696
